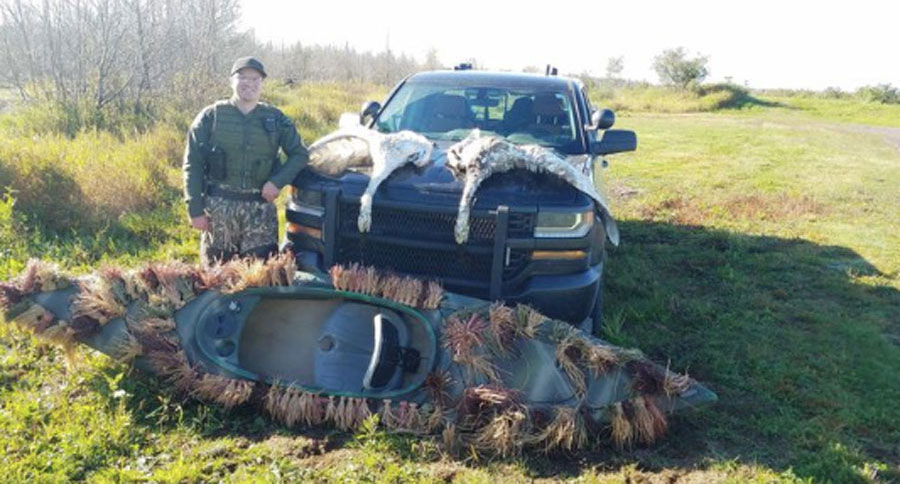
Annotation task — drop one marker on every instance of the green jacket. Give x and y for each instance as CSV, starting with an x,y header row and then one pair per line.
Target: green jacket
x,y
235,151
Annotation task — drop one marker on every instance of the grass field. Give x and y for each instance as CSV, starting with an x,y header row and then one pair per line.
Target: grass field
x,y
760,253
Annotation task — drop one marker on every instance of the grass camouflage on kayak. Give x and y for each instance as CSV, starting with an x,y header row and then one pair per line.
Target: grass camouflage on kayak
x,y
333,350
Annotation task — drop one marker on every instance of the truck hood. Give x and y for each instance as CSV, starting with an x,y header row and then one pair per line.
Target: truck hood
x,y
435,185
518,187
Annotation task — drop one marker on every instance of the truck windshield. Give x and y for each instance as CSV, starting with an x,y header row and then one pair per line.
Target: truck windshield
x,y
449,112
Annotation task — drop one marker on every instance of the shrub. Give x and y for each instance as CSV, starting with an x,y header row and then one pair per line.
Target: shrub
x,y
674,68
882,93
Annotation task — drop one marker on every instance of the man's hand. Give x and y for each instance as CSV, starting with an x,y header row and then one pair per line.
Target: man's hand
x,y
200,223
270,192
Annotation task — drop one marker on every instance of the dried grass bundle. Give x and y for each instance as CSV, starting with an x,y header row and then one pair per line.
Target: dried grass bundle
x,y
34,318
330,409
134,290
97,300
600,359
43,276
175,282
156,342
463,335
404,290
479,365
566,431
282,268
361,412
434,419
438,384
649,423
386,415
409,292
10,295
340,277
434,294
62,336
152,325
646,378
290,406
675,384
407,416
115,277
312,410
174,367
371,282
245,273
660,423
502,321
228,392
390,286
622,430
214,277
126,347
504,434
272,402
340,414
482,402
569,354
452,441
84,326
528,321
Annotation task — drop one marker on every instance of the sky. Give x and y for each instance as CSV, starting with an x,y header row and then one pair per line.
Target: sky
x,y
761,44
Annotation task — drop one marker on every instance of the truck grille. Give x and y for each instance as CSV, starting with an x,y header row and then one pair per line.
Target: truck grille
x,y
422,243
432,226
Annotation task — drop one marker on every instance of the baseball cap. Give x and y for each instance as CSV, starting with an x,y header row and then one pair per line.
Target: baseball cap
x,y
251,62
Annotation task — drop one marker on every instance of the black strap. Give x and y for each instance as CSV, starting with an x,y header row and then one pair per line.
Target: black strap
x,y
222,192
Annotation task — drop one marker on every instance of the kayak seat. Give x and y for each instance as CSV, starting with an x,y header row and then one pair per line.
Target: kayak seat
x,y
361,348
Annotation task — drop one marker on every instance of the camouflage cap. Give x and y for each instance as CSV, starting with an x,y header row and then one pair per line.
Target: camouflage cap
x,y
251,62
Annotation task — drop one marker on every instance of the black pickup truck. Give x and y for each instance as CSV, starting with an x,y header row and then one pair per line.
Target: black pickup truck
x,y
533,238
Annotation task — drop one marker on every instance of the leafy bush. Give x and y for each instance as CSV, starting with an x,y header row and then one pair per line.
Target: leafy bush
x,y
882,93
674,68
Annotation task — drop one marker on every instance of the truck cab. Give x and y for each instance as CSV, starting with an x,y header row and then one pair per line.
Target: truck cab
x,y
534,239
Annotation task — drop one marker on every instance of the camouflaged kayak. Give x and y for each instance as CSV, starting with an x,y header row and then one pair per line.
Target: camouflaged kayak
x,y
335,349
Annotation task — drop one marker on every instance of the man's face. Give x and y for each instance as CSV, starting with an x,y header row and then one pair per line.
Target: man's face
x,y
247,84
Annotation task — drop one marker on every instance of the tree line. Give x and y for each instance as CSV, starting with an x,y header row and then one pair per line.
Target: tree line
x,y
97,61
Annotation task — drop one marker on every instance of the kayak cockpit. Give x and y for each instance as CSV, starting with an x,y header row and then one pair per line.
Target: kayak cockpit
x,y
321,340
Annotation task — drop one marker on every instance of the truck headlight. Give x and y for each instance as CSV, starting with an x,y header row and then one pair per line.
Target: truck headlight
x,y
310,202
563,224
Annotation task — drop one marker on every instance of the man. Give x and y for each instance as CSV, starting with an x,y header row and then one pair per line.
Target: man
x,y
232,169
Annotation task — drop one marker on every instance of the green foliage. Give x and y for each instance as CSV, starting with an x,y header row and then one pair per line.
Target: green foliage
x,y
90,180
882,93
675,68
648,98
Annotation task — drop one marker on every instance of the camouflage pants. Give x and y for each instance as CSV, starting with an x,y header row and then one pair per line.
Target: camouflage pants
x,y
238,227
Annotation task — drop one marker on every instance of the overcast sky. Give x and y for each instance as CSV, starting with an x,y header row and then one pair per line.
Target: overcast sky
x,y
764,43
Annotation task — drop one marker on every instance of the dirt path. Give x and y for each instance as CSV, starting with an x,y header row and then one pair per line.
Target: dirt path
x,y
890,135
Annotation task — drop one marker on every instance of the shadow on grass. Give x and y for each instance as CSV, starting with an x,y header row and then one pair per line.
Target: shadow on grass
x,y
803,354
741,99
801,350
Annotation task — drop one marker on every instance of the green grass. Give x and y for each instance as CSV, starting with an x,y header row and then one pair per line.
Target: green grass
x,y
760,253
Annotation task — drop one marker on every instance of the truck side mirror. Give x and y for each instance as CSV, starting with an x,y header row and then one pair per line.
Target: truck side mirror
x,y
603,119
368,111
615,141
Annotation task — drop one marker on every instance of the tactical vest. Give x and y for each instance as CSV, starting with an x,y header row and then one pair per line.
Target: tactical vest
x,y
243,151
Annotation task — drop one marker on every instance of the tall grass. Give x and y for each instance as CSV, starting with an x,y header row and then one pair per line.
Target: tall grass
x,y
90,180
316,107
640,98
